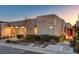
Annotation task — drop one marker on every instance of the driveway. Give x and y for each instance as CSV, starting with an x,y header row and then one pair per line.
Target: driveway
x,y
10,50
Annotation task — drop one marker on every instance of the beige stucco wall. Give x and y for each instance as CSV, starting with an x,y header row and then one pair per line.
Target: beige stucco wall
x,y
30,24
45,22
5,30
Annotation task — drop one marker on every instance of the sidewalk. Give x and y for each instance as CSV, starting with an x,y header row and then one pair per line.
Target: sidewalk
x,y
34,49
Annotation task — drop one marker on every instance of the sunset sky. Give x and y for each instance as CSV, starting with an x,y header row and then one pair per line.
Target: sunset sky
x,y
20,12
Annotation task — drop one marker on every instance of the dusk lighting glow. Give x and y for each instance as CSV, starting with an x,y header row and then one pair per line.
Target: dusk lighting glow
x,y
19,12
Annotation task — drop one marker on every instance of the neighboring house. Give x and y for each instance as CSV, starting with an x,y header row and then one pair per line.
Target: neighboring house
x,y
46,24
70,31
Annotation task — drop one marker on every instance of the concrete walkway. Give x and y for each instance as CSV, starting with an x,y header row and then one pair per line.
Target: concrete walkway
x,y
33,49
10,50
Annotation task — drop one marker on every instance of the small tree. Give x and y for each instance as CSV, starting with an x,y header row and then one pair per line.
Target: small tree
x,y
62,38
76,39
77,34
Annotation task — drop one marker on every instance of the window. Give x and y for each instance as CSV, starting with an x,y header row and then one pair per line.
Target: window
x,y
35,30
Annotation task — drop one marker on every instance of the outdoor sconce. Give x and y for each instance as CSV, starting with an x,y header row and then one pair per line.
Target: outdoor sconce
x,y
16,27
51,27
12,27
22,27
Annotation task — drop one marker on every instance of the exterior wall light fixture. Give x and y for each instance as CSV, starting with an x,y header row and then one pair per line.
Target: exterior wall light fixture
x,y
16,27
22,26
12,27
51,27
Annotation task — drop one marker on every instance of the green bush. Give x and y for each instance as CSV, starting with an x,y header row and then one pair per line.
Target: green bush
x,y
8,41
77,36
62,38
29,38
40,38
37,38
45,37
19,36
55,38
73,43
77,46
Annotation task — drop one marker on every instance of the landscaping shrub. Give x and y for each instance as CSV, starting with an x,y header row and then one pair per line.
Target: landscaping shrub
x,y
73,43
45,37
4,38
55,38
0,37
76,48
62,38
7,36
40,38
28,38
37,38
19,36
8,41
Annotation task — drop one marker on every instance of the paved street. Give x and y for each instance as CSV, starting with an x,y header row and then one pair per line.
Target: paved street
x,y
10,50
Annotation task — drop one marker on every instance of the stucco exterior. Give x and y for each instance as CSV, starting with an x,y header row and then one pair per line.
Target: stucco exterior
x,y
4,29
50,24
46,24
30,25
